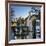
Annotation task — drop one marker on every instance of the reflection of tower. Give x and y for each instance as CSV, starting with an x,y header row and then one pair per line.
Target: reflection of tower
x,y
33,22
36,23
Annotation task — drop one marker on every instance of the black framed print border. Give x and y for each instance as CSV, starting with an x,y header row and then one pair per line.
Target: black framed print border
x,y
23,4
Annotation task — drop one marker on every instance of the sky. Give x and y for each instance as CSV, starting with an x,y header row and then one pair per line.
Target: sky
x,y
21,11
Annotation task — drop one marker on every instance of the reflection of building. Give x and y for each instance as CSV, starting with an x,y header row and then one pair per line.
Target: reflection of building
x,y
37,28
29,24
33,22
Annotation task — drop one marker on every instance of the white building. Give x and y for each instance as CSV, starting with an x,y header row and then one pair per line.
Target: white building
x,y
29,19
